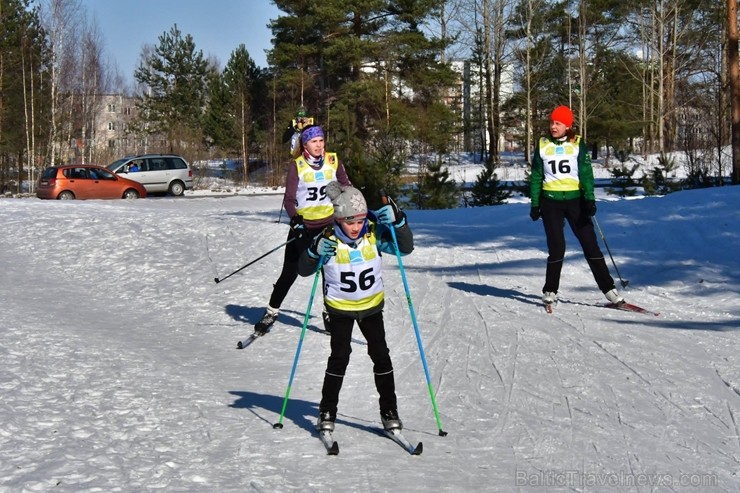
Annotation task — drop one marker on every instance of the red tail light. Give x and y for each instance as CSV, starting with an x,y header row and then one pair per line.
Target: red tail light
x,y
190,173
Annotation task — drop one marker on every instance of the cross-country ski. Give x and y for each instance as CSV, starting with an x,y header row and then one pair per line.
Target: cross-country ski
x,y
249,340
332,447
629,307
397,436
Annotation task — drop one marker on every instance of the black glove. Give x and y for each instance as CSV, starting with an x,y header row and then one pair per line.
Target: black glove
x,y
591,207
534,213
296,222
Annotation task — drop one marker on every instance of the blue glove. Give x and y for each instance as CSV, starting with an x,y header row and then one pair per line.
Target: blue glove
x,y
322,247
386,214
389,214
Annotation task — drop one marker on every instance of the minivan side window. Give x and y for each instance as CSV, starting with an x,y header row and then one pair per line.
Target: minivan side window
x,y
175,163
157,164
144,165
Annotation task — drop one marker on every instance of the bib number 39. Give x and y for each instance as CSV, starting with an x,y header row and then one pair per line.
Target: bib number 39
x,y
316,193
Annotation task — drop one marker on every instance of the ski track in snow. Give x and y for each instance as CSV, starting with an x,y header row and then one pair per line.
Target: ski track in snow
x,y
120,373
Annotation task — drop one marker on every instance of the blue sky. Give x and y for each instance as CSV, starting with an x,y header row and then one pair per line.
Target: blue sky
x,y
217,26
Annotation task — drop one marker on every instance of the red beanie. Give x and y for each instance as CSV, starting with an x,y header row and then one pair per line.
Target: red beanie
x,y
563,115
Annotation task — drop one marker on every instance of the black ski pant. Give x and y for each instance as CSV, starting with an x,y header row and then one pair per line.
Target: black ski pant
x,y
341,347
554,214
289,273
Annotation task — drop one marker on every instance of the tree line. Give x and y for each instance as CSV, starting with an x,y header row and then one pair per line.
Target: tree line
x,y
387,80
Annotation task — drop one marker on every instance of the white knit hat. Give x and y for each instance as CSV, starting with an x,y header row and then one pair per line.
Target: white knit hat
x,y
349,203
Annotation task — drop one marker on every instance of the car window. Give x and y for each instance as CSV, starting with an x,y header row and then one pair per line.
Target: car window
x,y
101,174
176,163
50,173
157,164
75,173
116,164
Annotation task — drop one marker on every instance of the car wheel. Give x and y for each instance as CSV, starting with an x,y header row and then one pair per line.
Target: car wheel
x,y
130,194
66,195
177,188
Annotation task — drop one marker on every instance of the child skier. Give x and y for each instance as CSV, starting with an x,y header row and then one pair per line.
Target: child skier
x,y
353,291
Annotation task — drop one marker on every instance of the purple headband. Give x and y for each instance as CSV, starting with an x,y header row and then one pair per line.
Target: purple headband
x,y
311,133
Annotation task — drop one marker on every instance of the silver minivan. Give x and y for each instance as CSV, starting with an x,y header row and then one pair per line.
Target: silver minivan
x,y
157,172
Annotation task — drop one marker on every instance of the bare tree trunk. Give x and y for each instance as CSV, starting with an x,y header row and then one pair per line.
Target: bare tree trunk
x,y
29,114
733,61
660,94
94,84
2,112
57,38
274,165
582,70
245,138
647,86
481,111
26,116
670,117
528,79
387,99
33,152
499,47
487,28
61,18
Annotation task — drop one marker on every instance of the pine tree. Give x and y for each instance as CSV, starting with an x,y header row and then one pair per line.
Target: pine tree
x,y
488,189
436,190
623,183
24,91
175,78
235,97
378,171
219,124
367,66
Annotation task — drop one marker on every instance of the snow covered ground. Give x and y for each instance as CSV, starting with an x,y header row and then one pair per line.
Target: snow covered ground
x,y
120,371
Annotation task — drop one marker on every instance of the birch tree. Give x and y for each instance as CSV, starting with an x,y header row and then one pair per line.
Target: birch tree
x,y
733,64
61,19
22,64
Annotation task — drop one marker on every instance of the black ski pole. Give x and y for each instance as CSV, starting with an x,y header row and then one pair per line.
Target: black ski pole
x,y
624,283
280,216
217,280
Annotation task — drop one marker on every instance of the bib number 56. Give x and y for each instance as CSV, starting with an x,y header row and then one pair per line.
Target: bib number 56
x,y
352,281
